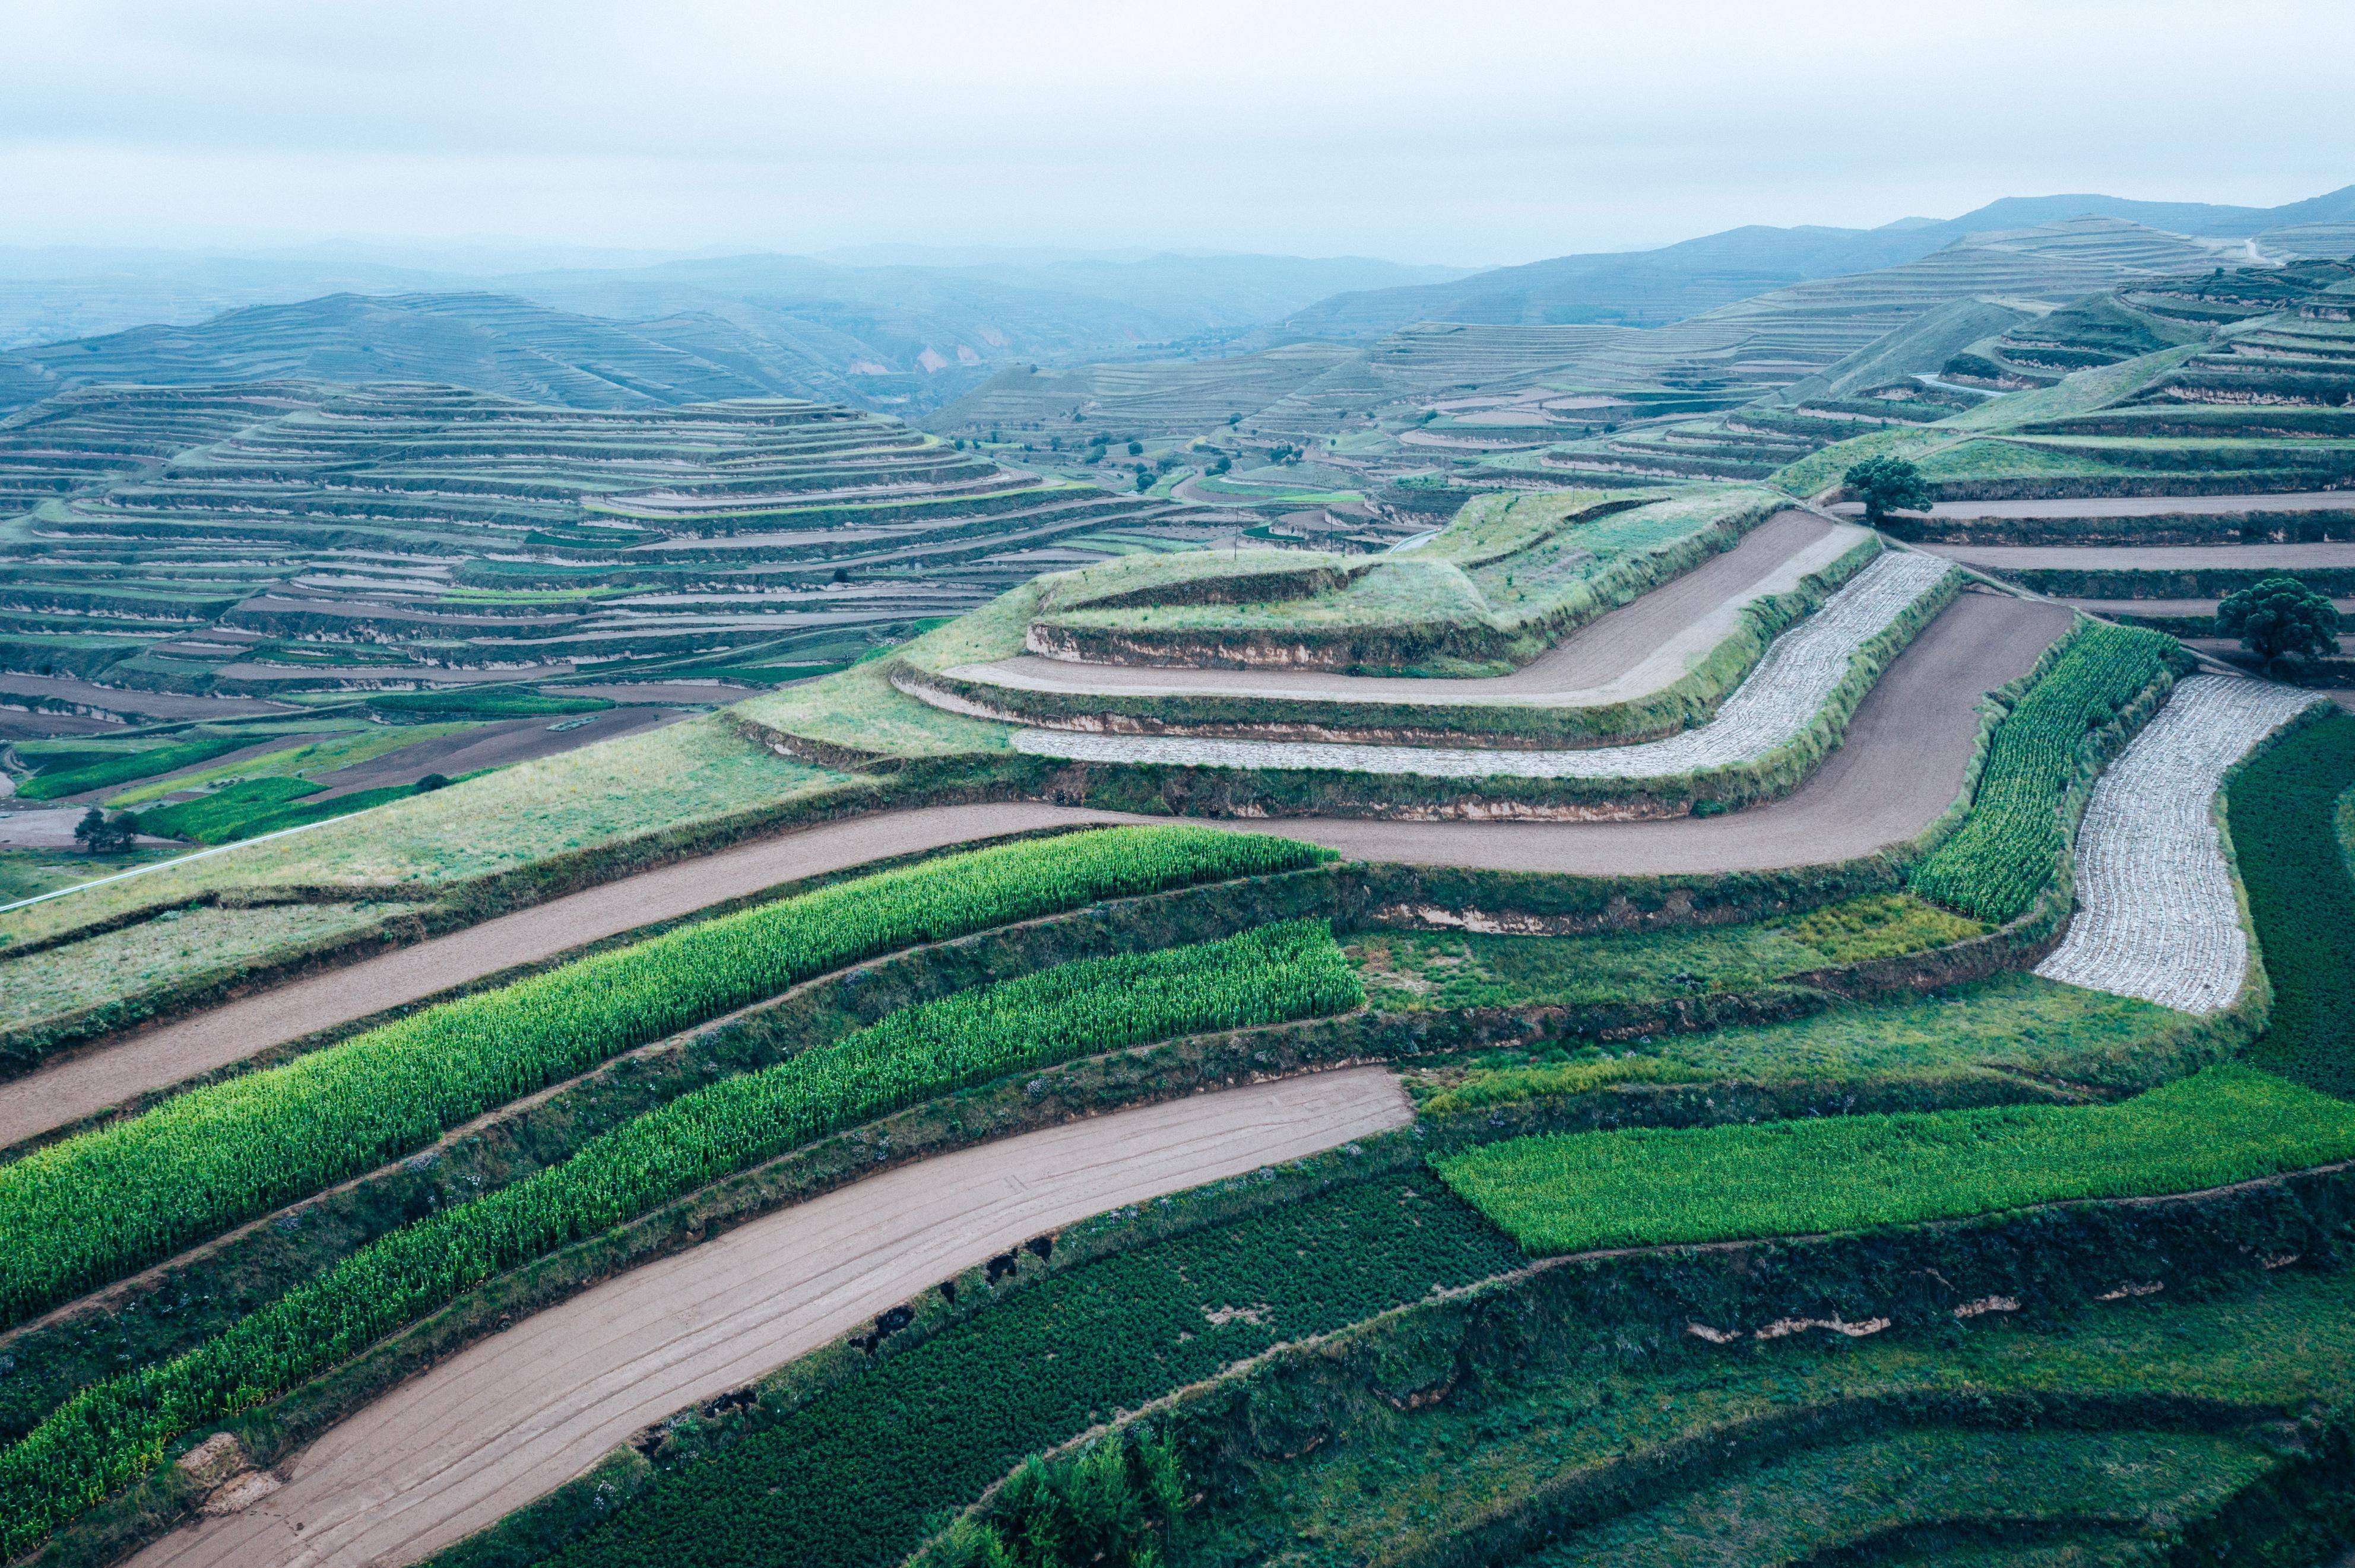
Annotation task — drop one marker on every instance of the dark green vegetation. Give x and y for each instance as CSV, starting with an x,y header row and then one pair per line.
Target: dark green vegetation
x,y
112,1432
89,1209
283,538
2280,618
1569,1192
2062,730
2150,1431
1426,971
1106,1503
106,770
257,806
1886,484
852,1477
2285,808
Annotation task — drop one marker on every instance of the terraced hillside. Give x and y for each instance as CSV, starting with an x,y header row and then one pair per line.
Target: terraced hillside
x,y
298,536
1557,379
1889,1106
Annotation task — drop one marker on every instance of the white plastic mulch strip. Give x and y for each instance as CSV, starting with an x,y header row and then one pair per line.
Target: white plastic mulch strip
x,y
1770,708
2156,916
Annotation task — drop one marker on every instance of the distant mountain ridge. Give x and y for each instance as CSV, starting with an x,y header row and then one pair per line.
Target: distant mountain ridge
x,y
1654,288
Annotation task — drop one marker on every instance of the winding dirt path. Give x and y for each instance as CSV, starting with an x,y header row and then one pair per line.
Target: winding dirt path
x,y
525,1410
1626,652
1900,767
2145,557
2136,505
85,1083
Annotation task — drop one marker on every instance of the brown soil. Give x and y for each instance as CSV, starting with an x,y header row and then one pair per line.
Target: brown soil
x,y
83,1085
496,744
2145,557
1900,766
148,704
2138,506
526,1410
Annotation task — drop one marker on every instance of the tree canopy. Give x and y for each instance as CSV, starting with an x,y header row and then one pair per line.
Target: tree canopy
x,y
2280,616
1887,485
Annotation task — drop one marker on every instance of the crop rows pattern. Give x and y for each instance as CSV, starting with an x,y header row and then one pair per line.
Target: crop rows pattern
x,y
112,1432
850,1479
1568,1192
93,1207
2006,853
2302,899
2157,918
1769,709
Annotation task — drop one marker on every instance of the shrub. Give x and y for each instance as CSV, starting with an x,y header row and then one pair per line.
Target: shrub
x,y
2278,617
1887,485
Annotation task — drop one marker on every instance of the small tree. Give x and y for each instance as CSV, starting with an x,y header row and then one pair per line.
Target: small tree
x,y
1887,485
2280,616
100,835
1136,449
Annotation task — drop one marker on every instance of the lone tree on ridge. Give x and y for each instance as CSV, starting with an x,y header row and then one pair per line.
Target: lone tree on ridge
x,y
1887,485
2279,617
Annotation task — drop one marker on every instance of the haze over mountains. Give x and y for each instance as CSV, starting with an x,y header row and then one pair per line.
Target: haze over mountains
x,y
910,332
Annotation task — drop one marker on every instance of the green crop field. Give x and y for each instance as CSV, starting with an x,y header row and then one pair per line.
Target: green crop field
x,y
2010,848
216,1156
1576,1192
1775,1207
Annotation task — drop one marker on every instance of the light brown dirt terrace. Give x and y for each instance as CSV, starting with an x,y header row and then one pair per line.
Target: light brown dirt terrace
x,y
522,1412
1901,765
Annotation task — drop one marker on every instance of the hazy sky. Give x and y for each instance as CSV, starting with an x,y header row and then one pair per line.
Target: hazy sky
x,y
1456,132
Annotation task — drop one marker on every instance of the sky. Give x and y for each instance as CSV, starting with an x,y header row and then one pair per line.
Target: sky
x,y
1467,133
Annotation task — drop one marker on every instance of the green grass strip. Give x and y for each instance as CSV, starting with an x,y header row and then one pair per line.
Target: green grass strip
x,y
114,1431
2285,809
2006,851
1570,1193
96,1207
124,769
257,806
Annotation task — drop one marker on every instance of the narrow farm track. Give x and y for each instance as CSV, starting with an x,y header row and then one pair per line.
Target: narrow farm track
x,y
525,1410
2157,918
1898,767
2147,557
1626,652
2136,505
90,1082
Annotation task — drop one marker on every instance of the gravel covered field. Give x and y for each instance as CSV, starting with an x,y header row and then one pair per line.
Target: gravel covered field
x,y
1765,711
2156,916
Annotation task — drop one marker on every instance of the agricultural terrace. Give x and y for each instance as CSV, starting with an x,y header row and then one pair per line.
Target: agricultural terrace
x,y
1972,1175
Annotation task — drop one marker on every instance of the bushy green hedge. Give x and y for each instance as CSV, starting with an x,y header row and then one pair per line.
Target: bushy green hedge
x,y
95,1207
114,1431
1574,1192
2009,848
2283,807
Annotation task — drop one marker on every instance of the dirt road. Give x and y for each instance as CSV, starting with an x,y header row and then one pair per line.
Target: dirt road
x,y
528,1409
2145,557
2138,506
1900,767
80,1086
1638,648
